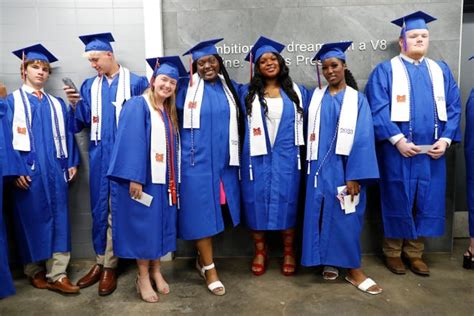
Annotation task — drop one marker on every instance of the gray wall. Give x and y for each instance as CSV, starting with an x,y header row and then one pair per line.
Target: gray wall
x,y
57,23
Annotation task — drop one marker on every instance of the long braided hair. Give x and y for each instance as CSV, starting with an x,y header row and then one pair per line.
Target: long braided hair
x,y
257,87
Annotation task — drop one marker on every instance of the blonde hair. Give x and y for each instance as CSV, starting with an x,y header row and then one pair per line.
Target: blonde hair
x,y
169,105
94,53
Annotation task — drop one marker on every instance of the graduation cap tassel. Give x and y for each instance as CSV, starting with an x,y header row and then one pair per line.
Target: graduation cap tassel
x,y
190,71
319,75
251,65
23,68
404,36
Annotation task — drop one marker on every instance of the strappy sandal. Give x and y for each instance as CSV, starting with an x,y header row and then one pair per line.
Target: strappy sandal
x,y
259,268
365,285
216,287
468,261
330,273
288,269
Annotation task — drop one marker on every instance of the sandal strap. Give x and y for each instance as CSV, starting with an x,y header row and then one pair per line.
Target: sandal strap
x,y
207,268
215,285
366,284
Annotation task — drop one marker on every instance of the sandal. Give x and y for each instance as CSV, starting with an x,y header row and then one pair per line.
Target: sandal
x,y
164,288
365,285
216,287
149,296
258,268
468,260
330,273
288,269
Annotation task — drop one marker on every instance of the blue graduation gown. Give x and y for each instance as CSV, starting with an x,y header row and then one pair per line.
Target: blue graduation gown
x,y
271,200
331,237
469,157
99,155
200,215
139,232
7,288
405,179
41,213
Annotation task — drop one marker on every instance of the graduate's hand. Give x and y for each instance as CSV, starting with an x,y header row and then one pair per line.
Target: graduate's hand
x,y
72,173
407,149
135,190
23,182
353,188
72,96
438,149
3,90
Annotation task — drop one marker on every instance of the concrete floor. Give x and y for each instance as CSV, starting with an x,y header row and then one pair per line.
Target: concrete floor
x,y
448,291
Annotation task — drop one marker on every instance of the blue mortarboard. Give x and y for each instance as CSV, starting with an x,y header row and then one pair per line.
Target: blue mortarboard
x,y
98,42
204,48
170,66
413,21
35,52
472,57
330,50
264,45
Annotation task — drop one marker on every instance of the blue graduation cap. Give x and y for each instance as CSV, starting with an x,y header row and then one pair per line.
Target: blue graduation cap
x,y
204,48
330,50
170,66
98,42
264,45
35,52
472,57
413,21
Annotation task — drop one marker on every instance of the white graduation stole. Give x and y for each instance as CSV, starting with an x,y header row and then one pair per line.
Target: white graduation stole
x,y
123,94
158,151
192,114
400,111
346,127
21,134
258,144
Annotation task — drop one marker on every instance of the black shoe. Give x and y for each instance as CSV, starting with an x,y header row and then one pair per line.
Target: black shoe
x,y
467,263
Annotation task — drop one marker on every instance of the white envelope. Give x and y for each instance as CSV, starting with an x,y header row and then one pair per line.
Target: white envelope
x,y
347,205
424,148
145,199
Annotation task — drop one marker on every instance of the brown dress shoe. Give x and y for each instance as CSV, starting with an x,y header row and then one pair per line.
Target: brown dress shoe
x,y
92,277
108,282
395,264
418,266
39,280
64,285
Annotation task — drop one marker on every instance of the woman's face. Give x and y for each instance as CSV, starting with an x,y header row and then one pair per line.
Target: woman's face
x,y
333,71
164,86
208,67
269,66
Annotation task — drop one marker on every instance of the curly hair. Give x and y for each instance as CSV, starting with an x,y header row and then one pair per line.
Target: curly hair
x,y
257,87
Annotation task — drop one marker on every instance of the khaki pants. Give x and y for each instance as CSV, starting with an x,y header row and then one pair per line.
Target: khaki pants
x,y
108,260
393,247
55,266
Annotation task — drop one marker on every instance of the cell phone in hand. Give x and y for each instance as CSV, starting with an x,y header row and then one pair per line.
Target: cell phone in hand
x,y
68,82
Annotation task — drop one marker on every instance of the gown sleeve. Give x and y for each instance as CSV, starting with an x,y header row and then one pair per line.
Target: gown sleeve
x,y
361,164
379,97
452,128
130,153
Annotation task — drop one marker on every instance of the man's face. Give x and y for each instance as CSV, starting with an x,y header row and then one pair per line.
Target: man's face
x,y
37,73
102,62
417,43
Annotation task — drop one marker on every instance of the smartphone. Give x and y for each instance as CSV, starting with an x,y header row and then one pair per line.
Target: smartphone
x,y
68,82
